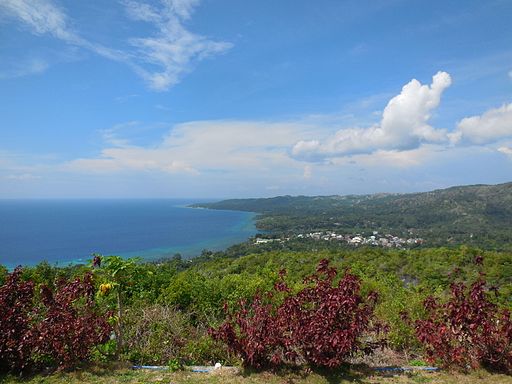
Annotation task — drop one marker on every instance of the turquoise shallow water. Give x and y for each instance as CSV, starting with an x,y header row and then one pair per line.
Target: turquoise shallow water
x,y
69,231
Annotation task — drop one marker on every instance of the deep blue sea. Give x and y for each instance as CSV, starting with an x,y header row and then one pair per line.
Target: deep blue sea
x,y
69,231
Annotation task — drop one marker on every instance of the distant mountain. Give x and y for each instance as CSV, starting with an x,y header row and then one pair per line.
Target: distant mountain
x,y
476,214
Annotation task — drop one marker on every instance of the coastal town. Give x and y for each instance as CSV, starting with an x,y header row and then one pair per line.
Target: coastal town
x,y
375,239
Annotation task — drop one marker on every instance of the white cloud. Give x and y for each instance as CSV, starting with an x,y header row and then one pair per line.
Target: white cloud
x,y
493,125
23,177
125,98
403,139
44,17
25,68
404,125
111,135
308,172
203,146
132,159
506,150
161,60
41,17
255,150
17,167
392,158
226,158
173,49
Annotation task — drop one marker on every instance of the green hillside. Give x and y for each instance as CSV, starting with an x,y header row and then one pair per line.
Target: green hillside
x,y
479,215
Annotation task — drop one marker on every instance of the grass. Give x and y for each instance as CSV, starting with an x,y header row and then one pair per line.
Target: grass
x,y
111,375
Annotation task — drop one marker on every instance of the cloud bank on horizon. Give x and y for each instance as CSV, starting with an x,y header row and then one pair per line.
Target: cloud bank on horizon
x,y
403,131
237,131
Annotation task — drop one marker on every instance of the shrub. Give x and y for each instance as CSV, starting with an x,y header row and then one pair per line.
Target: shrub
x,y
155,334
468,330
158,334
70,324
321,325
16,305
203,349
60,328
394,298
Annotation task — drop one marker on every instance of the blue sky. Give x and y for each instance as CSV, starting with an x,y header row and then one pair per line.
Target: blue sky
x,y
218,98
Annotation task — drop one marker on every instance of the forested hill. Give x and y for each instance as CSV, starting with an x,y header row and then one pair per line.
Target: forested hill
x,y
476,214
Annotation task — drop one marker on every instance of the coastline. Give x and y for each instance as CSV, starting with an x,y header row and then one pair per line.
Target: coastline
x,y
239,230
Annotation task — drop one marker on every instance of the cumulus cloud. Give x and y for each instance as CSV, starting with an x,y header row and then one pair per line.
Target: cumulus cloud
x,y
161,59
404,125
492,126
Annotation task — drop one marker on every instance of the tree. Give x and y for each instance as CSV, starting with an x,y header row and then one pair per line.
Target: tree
x,y
118,274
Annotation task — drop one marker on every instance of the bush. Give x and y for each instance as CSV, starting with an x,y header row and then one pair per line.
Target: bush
x,y
322,324
395,297
203,349
467,331
70,324
60,328
16,307
155,334
159,334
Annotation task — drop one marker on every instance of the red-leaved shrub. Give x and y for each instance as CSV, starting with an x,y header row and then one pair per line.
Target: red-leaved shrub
x,y
321,325
70,325
60,328
467,331
16,304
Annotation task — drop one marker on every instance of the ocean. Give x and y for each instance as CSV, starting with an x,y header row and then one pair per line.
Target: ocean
x,y
69,231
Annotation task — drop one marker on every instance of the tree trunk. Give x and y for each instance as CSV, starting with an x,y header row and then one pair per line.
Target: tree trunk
x,y
119,324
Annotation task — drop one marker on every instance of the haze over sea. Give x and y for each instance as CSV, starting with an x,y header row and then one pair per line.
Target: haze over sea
x,y
69,231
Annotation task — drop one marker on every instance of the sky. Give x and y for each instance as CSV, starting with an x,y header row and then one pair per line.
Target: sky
x,y
230,98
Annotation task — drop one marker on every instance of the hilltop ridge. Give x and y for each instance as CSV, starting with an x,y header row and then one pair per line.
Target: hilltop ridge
x,y
479,215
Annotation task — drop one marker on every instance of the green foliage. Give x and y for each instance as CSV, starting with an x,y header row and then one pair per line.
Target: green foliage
x,y
105,352
203,294
168,305
3,274
396,298
155,334
417,363
322,324
479,215
160,334
174,365
46,274
119,270
192,292
203,349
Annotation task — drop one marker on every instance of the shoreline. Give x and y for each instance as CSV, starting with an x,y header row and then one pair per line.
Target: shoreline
x,y
237,233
